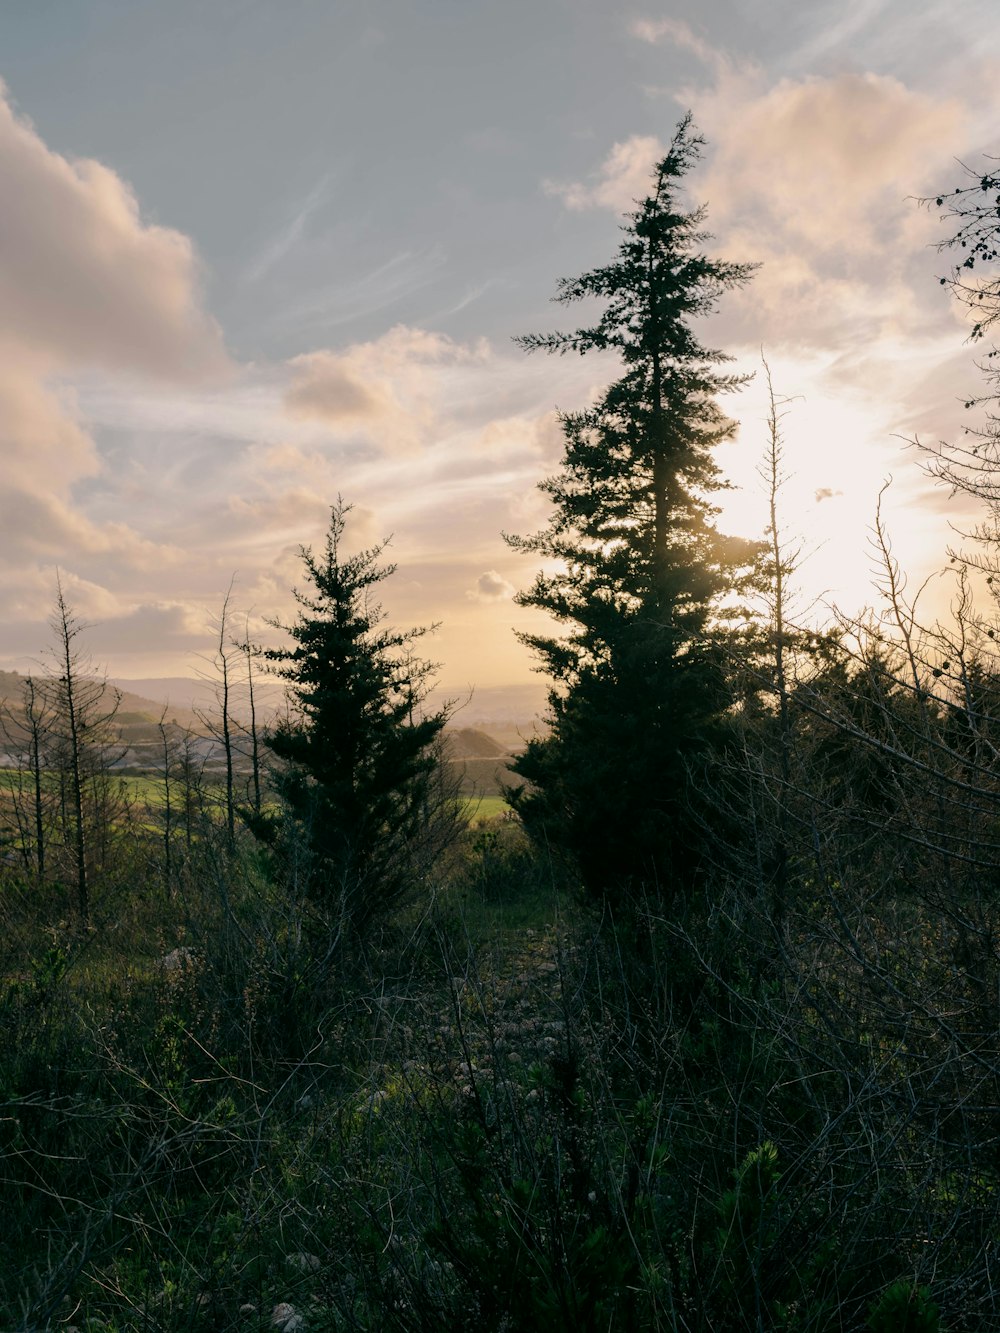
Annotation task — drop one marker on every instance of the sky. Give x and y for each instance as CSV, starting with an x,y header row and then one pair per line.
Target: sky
x,y
255,255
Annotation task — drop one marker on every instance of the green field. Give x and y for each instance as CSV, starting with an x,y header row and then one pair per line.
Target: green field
x,y
481,809
143,793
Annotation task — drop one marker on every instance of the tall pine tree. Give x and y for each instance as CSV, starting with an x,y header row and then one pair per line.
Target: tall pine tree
x,y
639,690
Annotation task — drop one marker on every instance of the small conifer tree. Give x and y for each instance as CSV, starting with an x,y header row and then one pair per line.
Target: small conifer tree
x,y
358,750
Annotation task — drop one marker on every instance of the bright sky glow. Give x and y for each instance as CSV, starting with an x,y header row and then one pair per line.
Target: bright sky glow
x,y
255,255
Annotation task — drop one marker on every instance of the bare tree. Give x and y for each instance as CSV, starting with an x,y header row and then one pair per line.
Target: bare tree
x,y
781,561
168,747
251,654
84,709
220,723
28,731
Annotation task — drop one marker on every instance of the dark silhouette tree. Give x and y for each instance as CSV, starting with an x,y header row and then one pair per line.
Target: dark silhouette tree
x,y
357,748
635,563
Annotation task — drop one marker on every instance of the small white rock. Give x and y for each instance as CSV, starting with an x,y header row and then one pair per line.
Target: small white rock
x,y
304,1263
177,959
282,1314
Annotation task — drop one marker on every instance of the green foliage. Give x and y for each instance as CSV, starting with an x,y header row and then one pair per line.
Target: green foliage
x,y
904,1308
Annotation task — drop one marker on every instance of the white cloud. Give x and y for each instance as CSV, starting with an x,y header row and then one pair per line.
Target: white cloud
x,y
621,180
44,445
290,235
83,279
512,436
491,587
393,389
679,34
326,388
175,627
816,177
43,526
828,161
292,511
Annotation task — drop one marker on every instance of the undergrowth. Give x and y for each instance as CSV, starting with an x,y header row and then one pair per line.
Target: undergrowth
x,y
503,1112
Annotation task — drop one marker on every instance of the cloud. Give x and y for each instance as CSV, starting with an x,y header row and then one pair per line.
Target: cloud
x,y
290,235
344,301
678,34
291,511
327,389
235,479
84,281
621,179
87,287
44,527
514,436
491,587
27,601
43,443
829,161
851,20
393,389
169,624
816,178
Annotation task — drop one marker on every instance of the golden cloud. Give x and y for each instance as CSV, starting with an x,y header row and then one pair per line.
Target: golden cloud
x,y
827,161
393,389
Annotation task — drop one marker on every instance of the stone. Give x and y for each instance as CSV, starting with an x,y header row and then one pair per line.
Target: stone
x,y
177,959
304,1263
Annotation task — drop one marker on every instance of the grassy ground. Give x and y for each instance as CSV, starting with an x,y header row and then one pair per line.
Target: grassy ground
x,y
485,809
502,1112
183,1095
140,792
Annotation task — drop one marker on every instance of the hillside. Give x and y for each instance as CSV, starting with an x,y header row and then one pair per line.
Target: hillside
x,y
482,760
187,703
135,710
136,721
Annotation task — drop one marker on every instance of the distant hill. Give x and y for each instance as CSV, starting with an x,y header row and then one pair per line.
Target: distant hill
x,y
509,713
485,705
468,743
134,709
11,685
136,719
481,759
192,695
482,751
